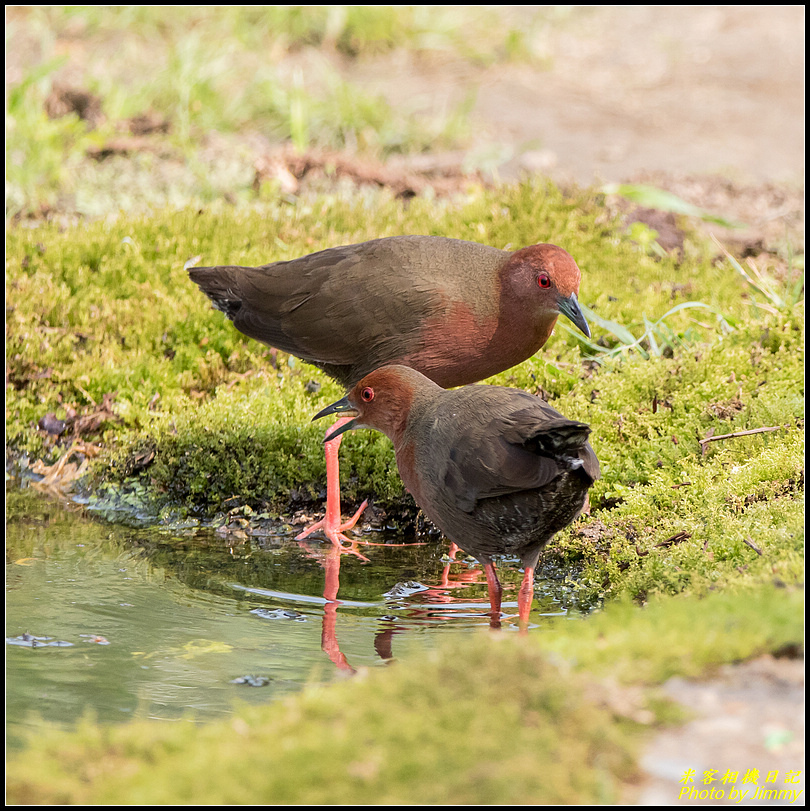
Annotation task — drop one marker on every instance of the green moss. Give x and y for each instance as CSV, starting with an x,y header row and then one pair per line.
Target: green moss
x,y
683,636
256,442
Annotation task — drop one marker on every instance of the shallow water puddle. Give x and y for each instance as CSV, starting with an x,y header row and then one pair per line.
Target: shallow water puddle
x,y
177,625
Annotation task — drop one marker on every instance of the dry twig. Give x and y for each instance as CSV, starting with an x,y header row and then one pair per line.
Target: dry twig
x,y
752,545
704,442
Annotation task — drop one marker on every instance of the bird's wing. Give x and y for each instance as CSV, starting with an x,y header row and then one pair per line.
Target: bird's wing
x,y
521,444
355,305
325,306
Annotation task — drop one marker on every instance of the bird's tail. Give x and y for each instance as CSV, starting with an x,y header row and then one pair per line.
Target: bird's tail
x,y
216,283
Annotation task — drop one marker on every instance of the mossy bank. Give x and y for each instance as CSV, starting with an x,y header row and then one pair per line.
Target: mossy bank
x,y
109,340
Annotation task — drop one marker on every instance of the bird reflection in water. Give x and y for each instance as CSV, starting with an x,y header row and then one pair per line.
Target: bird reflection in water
x,y
434,601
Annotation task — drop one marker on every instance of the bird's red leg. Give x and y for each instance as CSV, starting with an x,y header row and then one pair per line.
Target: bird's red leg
x,y
525,597
495,592
330,524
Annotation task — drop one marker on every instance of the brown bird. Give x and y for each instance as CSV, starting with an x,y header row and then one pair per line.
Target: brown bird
x,y
456,311
498,470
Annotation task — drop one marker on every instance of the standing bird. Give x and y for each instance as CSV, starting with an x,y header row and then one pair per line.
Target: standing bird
x,y
456,311
498,470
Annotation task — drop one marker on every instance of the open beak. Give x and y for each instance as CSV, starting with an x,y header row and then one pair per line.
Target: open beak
x,y
569,307
344,408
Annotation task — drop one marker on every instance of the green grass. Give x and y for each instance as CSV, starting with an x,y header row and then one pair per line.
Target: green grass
x,y
480,34
230,83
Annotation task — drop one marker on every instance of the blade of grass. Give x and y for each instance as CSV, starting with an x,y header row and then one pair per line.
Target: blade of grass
x,y
772,296
622,333
652,197
628,340
650,334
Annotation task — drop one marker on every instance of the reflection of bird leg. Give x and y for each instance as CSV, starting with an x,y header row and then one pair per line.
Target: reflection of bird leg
x,y
525,598
331,581
495,592
459,580
329,642
330,524
451,553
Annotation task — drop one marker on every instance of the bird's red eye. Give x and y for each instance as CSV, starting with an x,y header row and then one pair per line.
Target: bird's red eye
x,y
543,280
367,395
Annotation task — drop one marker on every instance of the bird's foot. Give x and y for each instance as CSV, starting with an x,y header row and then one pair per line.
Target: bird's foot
x,y
334,530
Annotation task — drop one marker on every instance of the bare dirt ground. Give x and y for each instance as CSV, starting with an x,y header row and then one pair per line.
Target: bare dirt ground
x,y
705,101
750,716
674,89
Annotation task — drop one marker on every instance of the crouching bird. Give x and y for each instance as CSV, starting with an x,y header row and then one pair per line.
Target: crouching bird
x,y
498,470
456,311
